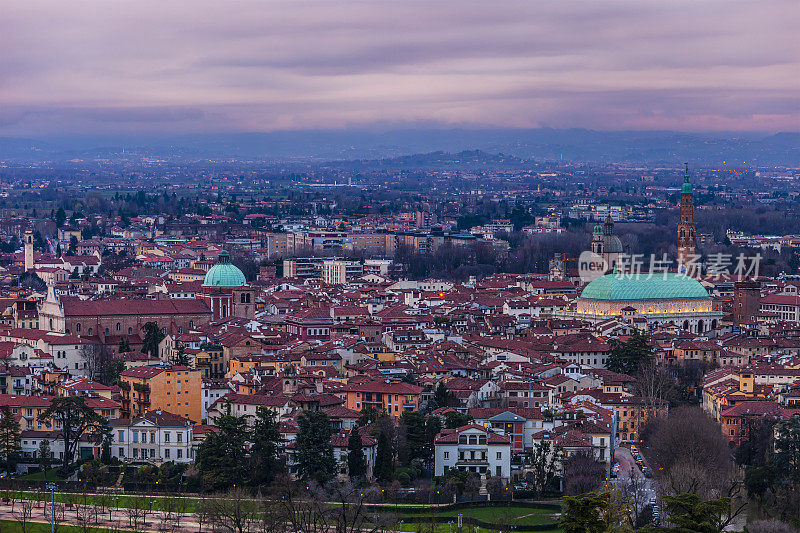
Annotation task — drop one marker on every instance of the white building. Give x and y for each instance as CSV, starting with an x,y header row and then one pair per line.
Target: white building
x,y
155,437
213,390
475,449
66,352
340,271
340,441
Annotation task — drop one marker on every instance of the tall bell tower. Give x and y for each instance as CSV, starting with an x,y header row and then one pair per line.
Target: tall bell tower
x,y
28,245
687,240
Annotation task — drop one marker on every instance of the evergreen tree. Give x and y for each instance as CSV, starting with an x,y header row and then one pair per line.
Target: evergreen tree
x,y
61,217
101,434
441,398
152,338
265,438
383,459
356,462
45,457
58,250
73,244
626,357
10,433
421,432
454,419
314,449
585,513
181,358
124,345
787,451
221,459
74,418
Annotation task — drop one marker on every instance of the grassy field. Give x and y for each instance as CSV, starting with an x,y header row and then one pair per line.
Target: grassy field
x,y
154,503
52,475
9,526
501,516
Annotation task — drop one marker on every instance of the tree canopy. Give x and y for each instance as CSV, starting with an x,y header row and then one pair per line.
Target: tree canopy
x,y
313,447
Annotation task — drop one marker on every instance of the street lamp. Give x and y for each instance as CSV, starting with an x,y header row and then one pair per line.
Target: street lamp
x,y
52,487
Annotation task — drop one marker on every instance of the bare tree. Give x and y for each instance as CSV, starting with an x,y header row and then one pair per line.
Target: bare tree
x,y
23,515
58,517
202,511
235,512
770,526
633,491
582,473
689,453
350,512
271,518
303,507
654,385
136,514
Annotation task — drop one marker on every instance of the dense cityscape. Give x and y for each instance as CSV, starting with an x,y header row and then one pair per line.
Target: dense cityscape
x,y
367,267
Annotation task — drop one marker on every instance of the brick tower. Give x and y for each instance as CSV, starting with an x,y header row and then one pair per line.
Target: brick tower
x,y
687,240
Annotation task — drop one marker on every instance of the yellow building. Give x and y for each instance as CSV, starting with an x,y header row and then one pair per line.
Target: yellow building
x,y
175,389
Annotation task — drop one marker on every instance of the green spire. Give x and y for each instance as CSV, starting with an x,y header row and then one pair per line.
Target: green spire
x,y
687,187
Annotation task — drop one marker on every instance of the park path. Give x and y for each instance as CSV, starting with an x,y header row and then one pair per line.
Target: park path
x,y
95,517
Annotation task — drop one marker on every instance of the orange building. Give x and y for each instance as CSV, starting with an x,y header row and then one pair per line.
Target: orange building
x,y
175,389
393,397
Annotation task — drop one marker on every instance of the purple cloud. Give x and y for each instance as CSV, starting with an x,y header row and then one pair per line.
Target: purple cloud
x,y
98,66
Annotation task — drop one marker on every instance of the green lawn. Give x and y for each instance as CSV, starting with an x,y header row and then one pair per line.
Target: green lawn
x,y
52,475
155,503
10,526
510,515
505,515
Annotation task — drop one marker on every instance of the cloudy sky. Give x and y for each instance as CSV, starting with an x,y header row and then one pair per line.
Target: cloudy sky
x,y
98,66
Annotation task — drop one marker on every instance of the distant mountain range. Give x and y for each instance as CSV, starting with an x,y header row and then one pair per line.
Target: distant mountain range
x,y
643,147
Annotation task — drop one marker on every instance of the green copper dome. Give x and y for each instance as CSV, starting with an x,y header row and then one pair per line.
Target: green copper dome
x,y
224,274
598,229
619,287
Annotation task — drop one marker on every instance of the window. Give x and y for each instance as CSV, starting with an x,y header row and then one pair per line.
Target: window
x,y
136,453
121,452
499,455
180,436
135,436
166,453
121,436
447,455
180,454
118,327
166,436
130,331
77,328
152,438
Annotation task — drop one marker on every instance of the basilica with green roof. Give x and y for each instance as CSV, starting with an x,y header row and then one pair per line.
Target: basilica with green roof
x,y
655,299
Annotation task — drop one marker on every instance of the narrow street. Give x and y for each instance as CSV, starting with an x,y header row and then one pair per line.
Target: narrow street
x,y
631,477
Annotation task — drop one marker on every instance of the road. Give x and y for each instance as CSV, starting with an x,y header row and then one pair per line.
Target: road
x,y
630,478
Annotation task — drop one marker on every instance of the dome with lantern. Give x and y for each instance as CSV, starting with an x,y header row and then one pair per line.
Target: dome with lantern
x,y
224,273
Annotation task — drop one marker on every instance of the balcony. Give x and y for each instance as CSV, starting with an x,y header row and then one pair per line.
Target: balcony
x,y
472,462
